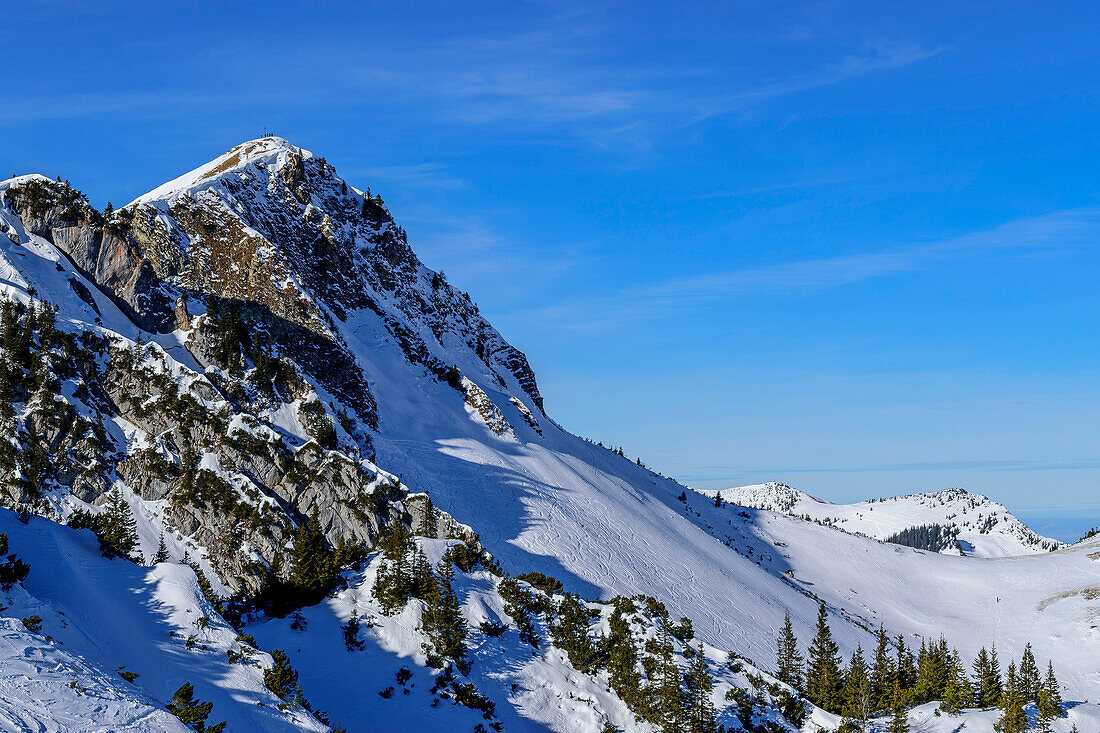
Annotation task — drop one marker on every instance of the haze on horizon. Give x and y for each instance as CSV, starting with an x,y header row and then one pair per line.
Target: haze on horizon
x,y
842,245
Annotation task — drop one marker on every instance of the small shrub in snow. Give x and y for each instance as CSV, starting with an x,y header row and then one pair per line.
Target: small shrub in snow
x,y
192,712
493,629
351,633
282,678
33,623
546,583
12,569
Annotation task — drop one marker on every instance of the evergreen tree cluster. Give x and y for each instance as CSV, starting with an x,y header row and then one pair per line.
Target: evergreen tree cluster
x,y
404,572
35,358
235,344
1026,684
442,620
931,537
896,679
12,569
115,527
192,712
315,568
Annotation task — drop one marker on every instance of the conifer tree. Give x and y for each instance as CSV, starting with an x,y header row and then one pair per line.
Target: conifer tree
x,y
517,604
314,571
351,633
569,630
956,692
117,527
882,672
982,679
905,667
933,661
190,711
1050,695
858,704
824,685
899,718
162,551
12,569
669,702
443,622
1028,677
281,678
392,583
622,659
1013,717
788,658
699,708
995,675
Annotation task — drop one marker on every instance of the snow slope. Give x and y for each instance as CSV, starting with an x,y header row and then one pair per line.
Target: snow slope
x,y
99,616
985,528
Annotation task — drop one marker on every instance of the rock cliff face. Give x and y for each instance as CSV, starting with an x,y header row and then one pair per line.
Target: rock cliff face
x,y
209,356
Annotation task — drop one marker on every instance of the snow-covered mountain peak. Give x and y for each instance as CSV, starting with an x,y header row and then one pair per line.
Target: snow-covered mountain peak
x,y
21,180
773,496
962,522
267,153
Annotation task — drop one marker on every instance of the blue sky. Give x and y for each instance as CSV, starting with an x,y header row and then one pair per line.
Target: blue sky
x,y
846,245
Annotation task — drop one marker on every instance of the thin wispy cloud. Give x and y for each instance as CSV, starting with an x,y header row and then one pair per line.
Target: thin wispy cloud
x,y
420,175
775,188
477,255
738,473
1036,235
877,57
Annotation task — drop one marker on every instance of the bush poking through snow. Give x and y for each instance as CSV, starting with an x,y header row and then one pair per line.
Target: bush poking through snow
x,y
281,678
12,569
492,629
192,712
351,633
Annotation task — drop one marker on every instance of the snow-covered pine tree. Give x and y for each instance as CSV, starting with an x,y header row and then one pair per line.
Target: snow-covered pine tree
x,y
824,685
788,659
